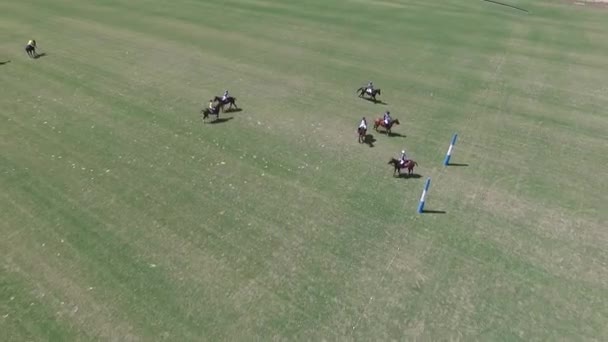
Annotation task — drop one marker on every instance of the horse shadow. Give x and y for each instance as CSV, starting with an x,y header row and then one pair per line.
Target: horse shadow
x,y
392,134
376,101
40,55
233,110
220,120
2,63
406,176
369,140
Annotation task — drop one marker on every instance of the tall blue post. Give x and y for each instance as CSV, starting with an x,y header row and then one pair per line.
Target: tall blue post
x,y
427,184
448,155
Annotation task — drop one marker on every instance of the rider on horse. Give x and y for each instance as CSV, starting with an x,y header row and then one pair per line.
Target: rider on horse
x,y
32,43
402,158
212,108
370,87
387,118
363,124
225,96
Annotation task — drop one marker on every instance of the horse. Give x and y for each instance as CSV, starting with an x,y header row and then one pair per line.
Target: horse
x,y
362,134
380,123
208,111
229,101
363,91
31,51
409,165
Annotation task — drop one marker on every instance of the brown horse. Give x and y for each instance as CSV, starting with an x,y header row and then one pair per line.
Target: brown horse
x,y
362,134
409,165
380,123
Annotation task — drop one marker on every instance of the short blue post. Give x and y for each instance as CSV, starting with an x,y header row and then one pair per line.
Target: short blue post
x,y
448,155
427,184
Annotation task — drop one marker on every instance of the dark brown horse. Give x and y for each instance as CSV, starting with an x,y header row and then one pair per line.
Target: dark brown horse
x,y
231,101
208,111
31,51
380,123
363,91
409,165
362,134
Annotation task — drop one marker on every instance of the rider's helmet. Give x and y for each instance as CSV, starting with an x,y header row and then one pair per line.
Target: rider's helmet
x,y
402,151
388,113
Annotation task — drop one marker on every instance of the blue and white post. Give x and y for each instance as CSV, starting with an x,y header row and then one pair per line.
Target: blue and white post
x,y
423,197
448,155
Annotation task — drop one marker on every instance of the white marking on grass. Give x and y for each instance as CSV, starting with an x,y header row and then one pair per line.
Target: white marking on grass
x,y
152,265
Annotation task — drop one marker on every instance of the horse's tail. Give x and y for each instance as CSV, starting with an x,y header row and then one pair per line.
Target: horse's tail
x,y
359,90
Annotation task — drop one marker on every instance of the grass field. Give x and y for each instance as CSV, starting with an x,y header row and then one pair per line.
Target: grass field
x,y
123,217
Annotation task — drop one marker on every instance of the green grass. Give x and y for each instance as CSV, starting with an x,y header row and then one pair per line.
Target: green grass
x,y
124,217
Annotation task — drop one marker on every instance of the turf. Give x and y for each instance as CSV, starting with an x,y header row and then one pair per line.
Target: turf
x,y
124,217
